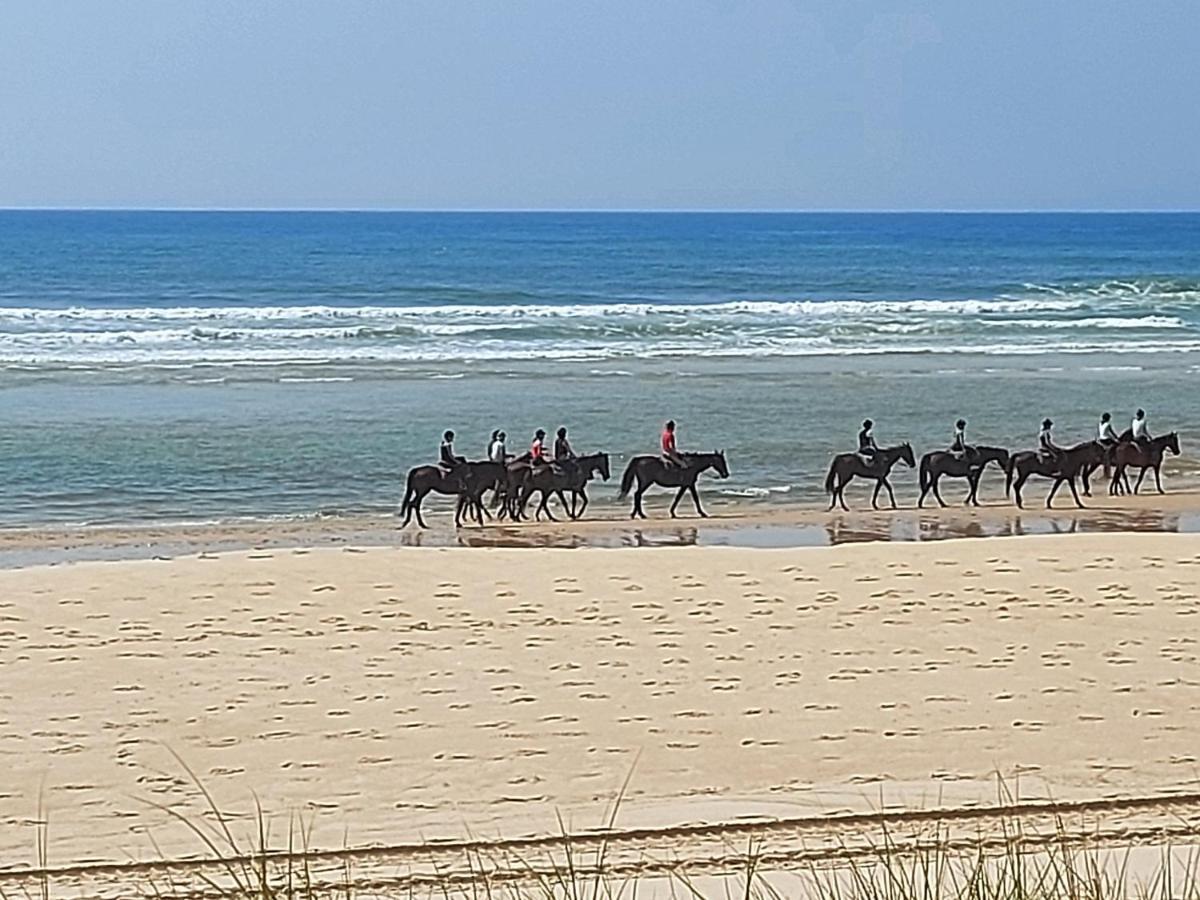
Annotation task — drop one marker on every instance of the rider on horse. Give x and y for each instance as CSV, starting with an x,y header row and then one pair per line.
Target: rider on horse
x,y
564,456
1047,449
670,453
867,447
497,452
447,458
1106,434
959,446
1139,430
537,450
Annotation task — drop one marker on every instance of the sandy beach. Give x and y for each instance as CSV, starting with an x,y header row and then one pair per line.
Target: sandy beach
x,y
412,693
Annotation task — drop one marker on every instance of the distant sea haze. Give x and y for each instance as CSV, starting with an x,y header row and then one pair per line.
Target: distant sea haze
x,y
181,365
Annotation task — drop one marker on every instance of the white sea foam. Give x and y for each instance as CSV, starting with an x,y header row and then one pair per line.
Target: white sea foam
x,y
1049,319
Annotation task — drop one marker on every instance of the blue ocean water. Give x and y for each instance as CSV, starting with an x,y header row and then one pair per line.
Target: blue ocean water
x,y
211,364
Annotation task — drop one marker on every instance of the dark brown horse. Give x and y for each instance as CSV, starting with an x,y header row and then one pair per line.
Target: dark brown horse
x,y
941,463
651,470
1137,456
570,475
469,482
848,466
1069,465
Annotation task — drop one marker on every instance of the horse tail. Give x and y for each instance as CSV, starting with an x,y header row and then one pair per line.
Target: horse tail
x,y
925,474
627,479
409,491
829,479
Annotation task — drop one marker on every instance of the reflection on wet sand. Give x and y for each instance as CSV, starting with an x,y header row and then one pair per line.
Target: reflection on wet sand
x,y
901,526
732,528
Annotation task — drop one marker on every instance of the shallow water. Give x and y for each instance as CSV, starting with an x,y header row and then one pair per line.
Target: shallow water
x,y
162,366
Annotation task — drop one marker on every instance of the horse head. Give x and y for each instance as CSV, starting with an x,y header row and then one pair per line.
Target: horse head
x,y
602,465
1172,443
906,454
720,464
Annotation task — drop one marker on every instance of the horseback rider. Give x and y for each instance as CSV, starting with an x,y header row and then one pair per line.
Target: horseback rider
x,y
867,447
497,452
959,446
562,447
1048,451
1106,434
448,460
537,451
564,456
1140,430
670,453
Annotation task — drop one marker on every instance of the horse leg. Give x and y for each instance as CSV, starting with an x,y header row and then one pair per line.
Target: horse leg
x,y
570,510
891,494
638,512
1017,485
678,497
582,506
1158,479
1074,493
841,493
1137,487
1054,490
542,507
875,495
937,490
696,501
417,507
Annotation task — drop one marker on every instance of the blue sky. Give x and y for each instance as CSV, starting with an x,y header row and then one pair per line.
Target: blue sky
x,y
1072,104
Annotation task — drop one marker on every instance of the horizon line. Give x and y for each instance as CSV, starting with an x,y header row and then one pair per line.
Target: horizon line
x,y
613,210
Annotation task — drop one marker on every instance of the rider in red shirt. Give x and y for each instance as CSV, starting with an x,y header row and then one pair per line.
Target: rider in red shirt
x,y
669,451
537,452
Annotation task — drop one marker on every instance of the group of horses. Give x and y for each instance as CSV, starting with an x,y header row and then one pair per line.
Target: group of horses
x,y
514,482
1069,465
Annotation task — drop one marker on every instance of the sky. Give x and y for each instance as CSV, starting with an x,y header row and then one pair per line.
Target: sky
x,y
621,104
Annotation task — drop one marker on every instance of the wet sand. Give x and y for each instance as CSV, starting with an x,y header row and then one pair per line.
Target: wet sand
x,y
406,693
730,524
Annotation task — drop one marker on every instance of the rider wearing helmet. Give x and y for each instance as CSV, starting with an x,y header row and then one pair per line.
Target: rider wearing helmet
x,y
1140,429
959,446
497,452
562,447
1106,434
866,442
447,458
1047,449
537,450
670,452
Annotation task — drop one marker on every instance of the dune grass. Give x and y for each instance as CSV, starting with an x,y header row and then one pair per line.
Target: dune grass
x,y
1020,864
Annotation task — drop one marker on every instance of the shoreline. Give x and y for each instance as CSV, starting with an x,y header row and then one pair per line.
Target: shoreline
x,y
750,525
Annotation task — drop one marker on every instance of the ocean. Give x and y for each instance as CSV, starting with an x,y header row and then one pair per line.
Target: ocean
x,y
178,366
